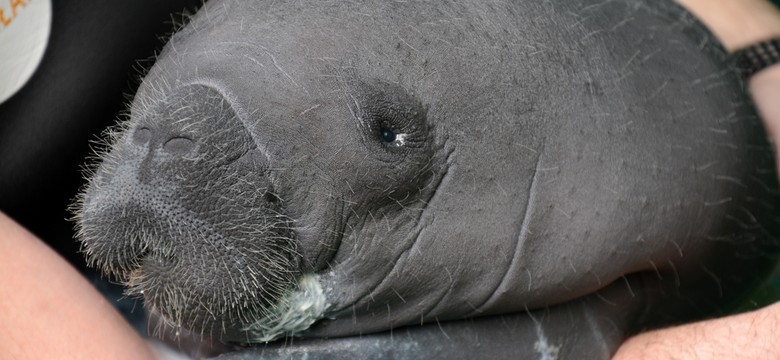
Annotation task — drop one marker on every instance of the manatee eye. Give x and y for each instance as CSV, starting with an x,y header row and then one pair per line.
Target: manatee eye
x,y
388,135
393,123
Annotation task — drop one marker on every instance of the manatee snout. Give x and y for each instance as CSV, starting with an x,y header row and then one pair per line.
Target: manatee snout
x,y
181,205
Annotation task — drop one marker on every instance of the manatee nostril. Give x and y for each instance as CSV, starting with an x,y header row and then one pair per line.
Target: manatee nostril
x,y
142,136
178,145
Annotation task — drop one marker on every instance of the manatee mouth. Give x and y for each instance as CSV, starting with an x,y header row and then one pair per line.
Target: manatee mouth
x,y
183,211
215,280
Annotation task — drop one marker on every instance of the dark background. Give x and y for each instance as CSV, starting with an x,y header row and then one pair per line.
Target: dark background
x,y
95,55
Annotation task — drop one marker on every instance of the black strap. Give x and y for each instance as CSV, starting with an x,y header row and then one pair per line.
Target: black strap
x,y
757,57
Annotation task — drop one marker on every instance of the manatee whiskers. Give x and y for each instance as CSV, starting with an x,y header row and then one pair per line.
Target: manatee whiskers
x,y
293,312
244,291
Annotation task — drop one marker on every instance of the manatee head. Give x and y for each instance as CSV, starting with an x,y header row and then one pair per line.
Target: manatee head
x,y
223,196
336,168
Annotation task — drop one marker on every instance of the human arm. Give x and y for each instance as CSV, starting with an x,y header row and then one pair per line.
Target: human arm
x,y
49,311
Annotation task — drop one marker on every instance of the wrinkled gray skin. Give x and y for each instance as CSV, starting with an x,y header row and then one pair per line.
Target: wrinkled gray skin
x,y
563,173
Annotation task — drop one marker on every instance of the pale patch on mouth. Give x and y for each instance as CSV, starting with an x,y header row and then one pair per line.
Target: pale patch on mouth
x,y
134,278
294,313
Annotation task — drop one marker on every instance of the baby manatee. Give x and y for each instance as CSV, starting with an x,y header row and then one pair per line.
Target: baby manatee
x,y
455,179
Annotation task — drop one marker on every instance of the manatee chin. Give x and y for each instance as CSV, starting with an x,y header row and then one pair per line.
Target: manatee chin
x,y
293,313
182,211
220,291
247,292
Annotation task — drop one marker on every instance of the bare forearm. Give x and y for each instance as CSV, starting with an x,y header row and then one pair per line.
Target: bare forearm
x,y
48,311
744,336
